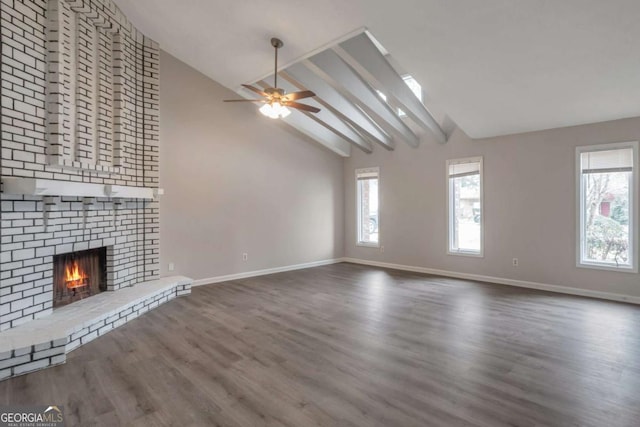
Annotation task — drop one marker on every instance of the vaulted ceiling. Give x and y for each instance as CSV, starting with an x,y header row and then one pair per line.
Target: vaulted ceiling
x,y
494,66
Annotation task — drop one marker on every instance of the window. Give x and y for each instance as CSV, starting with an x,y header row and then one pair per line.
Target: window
x,y
607,206
465,206
367,181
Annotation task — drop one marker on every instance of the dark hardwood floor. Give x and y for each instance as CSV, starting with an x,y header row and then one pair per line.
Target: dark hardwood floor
x,y
347,345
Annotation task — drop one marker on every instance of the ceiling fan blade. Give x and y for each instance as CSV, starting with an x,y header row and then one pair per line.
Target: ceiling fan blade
x,y
243,100
299,95
256,90
304,107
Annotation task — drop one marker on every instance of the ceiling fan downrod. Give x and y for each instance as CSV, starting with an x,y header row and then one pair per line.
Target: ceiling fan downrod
x,y
277,44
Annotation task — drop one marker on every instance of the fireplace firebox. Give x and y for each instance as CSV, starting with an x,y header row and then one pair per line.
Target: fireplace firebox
x,y
79,275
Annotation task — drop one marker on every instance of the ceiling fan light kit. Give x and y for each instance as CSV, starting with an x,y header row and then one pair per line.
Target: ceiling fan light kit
x,y
275,110
275,100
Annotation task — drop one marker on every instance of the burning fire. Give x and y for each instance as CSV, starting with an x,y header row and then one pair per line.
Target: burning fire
x,y
74,277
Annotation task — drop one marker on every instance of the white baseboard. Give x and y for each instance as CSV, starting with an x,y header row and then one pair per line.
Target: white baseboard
x,y
501,281
468,276
255,273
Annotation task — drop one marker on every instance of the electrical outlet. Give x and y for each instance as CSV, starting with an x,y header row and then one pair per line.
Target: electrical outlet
x,y
515,262
172,266
245,256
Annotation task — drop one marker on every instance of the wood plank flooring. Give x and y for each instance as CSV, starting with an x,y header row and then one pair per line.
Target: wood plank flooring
x,y
349,345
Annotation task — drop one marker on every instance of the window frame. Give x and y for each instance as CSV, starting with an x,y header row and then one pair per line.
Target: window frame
x,y
360,243
450,211
633,207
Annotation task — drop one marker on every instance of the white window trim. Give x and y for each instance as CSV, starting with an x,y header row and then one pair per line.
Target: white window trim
x,y
358,213
449,210
633,206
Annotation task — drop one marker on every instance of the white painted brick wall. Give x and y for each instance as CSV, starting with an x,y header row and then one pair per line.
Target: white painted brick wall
x,y
113,106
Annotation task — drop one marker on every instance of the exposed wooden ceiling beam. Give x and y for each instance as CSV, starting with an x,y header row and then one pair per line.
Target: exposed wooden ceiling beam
x,y
302,77
364,57
330,67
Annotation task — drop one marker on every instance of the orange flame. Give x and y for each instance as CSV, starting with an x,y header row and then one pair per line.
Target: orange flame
x,y
74,277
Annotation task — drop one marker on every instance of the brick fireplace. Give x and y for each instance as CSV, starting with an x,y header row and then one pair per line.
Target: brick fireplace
x,y
97,126
79,169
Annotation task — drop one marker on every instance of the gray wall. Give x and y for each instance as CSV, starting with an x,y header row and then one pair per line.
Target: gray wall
x,y
529,206
236,182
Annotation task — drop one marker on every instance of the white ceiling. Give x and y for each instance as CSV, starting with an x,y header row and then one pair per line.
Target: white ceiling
x,y
494,66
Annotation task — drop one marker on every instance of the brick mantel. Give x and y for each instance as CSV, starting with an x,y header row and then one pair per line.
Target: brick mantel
x,y
50,187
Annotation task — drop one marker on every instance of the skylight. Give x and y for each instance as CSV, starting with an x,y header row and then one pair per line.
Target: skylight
x,y
413,85
415,88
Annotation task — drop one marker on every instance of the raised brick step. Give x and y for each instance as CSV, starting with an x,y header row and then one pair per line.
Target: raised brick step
x,y
45,342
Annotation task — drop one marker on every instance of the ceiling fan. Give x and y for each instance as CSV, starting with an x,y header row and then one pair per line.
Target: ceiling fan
x,y
275,100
